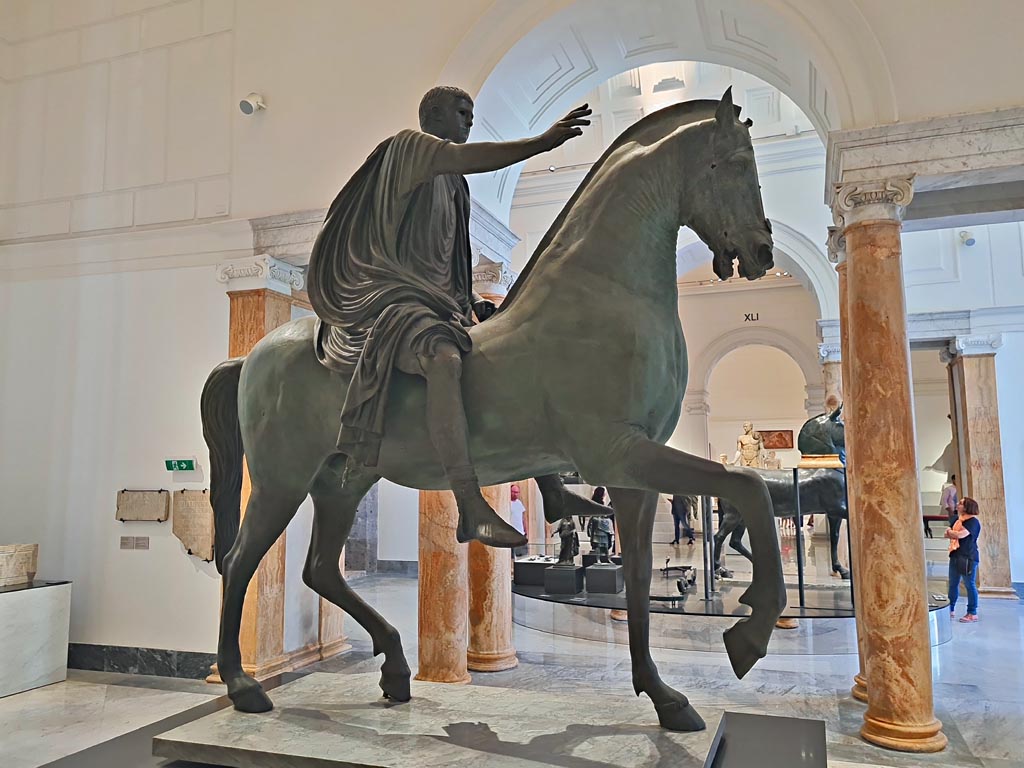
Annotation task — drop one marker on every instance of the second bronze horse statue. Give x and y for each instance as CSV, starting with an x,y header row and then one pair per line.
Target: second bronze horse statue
x,y
584,369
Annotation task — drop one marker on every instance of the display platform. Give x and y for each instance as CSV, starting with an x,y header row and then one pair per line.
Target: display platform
x,y
689,622
34,622
325,720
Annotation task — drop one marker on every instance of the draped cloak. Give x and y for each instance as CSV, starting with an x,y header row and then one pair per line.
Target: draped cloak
x,y
390,271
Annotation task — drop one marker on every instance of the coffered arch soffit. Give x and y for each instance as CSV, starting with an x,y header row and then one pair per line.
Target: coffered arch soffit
x,y
529,62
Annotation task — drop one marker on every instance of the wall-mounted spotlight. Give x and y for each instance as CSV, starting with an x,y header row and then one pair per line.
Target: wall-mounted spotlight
x,y
967,238
552,168
251,104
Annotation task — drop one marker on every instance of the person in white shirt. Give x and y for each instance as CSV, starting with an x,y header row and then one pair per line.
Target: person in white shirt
x,y
517,518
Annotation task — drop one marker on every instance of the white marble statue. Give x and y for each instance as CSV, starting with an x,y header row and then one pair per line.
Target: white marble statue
x,y
771,461
749,448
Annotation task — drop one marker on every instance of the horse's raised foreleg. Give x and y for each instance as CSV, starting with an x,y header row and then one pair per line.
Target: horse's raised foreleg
x,y
266,516
635,515
835,525
656,467
336,496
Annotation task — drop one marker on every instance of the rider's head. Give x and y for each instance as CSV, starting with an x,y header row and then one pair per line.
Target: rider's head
x,y
447,112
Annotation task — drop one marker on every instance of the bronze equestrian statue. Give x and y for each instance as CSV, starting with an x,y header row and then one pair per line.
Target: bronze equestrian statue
x,y
603,278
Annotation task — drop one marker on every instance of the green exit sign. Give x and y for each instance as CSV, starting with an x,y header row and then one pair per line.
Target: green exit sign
x,y
180,465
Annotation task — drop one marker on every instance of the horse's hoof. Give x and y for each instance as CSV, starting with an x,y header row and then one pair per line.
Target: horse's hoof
x,y
395,686
743,646
252,698
676,716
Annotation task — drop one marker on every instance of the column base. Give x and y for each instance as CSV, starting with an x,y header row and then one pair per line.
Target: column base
x,y
450,679
287,662
860,688
335,647
787,624
618,615
1002,593
478,661
904,738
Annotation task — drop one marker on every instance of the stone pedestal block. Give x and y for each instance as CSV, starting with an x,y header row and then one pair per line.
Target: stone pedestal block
x,y
605,579
563,580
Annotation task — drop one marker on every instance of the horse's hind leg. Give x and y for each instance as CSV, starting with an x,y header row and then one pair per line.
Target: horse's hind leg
x,y
335,499
266,516
634,512
656,467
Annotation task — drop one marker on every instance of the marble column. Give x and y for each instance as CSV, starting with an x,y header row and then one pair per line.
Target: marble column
x,y
443,592
490,597
893,605
831,374
837,252
259,294
972,362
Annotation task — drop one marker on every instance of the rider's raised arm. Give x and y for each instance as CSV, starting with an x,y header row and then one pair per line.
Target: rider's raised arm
x,y
486,156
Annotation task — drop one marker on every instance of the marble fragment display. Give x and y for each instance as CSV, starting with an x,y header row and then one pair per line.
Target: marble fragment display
x,y
18,563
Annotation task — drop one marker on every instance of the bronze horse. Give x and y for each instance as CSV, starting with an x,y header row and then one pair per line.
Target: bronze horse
x,y
600,288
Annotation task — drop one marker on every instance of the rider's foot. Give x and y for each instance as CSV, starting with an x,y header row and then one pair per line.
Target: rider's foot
x,y
478,521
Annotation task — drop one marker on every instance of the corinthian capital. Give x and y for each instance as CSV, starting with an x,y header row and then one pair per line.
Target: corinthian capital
x,y
871,201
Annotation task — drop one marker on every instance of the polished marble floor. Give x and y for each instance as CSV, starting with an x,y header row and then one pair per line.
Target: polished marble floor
x,y
98,719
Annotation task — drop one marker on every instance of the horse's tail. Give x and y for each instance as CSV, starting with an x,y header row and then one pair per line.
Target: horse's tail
x,y
219,408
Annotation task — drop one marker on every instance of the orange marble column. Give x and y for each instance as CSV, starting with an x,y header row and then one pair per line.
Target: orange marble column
x,y
859,690
253,314
893,605
978,418
490,597
443,592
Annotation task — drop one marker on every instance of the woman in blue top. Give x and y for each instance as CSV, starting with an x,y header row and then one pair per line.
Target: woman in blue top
x,y
963,557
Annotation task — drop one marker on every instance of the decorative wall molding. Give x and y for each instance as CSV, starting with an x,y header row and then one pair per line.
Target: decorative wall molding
x,y
945,327
260,271
489,236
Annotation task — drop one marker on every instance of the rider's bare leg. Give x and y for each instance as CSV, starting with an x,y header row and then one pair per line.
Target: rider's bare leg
x,y
446,420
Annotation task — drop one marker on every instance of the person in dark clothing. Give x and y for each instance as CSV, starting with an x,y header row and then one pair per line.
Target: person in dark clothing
x,y
963,557
682,508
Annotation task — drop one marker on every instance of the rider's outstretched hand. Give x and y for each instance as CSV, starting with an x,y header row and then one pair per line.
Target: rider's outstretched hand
x,y
568,127
484,309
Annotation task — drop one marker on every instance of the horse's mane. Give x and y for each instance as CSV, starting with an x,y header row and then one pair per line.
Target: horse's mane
x,y
646,131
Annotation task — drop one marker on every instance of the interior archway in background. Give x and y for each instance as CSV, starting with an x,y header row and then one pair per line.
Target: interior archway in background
x,y
702,368
758,383
528,62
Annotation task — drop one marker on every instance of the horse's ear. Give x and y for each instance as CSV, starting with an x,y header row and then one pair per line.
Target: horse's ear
x,y
834,416
725,115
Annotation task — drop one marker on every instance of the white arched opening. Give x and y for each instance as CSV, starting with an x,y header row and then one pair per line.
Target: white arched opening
x,y
529,62
760,384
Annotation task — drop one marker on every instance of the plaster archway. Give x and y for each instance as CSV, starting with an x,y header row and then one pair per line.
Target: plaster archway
x,y
701,368
529,61
794,252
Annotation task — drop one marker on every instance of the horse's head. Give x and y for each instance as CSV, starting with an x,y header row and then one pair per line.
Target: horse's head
x,y
824,434
724,207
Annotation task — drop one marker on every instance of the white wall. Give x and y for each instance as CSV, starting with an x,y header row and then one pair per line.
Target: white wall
x,y
932,427
100,379
397,522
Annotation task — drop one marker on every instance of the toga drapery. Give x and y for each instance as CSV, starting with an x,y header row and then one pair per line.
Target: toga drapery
x,y
390,270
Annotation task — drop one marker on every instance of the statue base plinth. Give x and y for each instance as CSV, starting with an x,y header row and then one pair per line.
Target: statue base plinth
x,y
821,461
563,579
605,578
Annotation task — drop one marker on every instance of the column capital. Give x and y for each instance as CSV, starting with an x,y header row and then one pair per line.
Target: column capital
x,y
696,403
835,244
971,346
830,352
260,271
492,277
859,201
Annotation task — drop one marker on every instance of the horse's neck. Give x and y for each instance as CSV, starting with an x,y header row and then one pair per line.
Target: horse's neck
x,y
620,237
